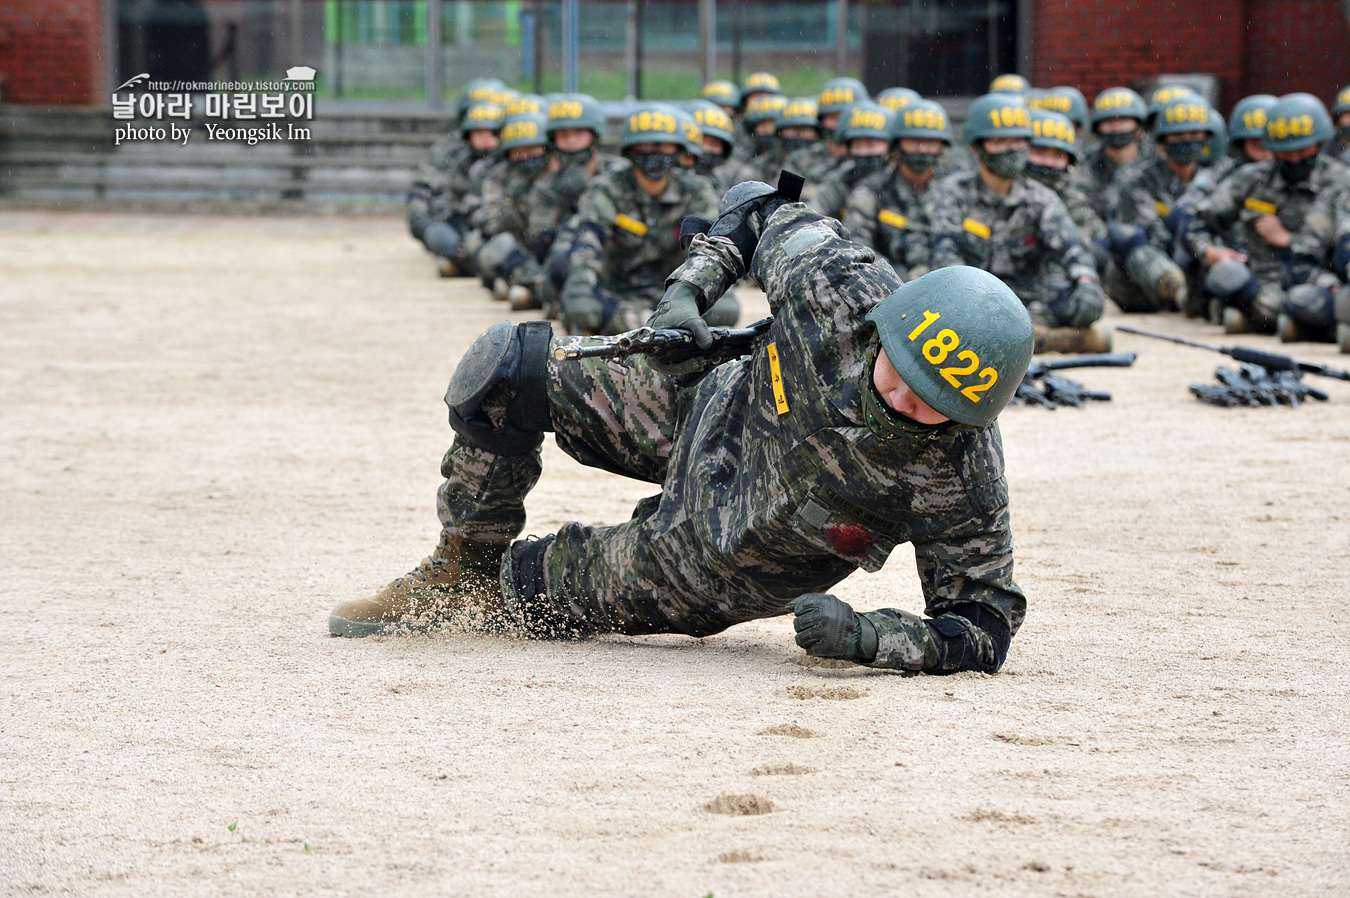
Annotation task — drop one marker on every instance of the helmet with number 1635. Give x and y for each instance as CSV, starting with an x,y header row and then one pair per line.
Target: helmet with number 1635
x,y
959,338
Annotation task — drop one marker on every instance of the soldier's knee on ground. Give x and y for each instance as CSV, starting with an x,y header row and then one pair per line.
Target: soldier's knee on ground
x,y
1078,305
1233,284
499,256
1311,305
443,239
418,219
972,639
498,395
725,312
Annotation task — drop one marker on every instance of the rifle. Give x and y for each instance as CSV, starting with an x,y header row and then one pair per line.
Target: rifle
x,y
670,346
1254,385
1268,360
1054,390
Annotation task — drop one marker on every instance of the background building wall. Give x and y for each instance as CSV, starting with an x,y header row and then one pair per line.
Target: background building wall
x,y
51,52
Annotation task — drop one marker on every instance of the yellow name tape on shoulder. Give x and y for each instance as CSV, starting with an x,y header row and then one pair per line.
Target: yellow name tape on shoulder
x,y
894,219
1162,208
1261,206
632,225
776,373
979,229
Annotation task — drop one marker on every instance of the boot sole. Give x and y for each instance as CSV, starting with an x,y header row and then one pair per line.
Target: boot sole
x,y
354,629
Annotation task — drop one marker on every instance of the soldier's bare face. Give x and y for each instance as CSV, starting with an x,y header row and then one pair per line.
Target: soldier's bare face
x,y
571,140
483,141
899,396
920,145
996,145
1117,125
797,131
1256,151
1299,155
1049,157
519,153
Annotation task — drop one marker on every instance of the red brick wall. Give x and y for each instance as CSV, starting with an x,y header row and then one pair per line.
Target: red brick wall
x,y
1096,44
51,52
1296,45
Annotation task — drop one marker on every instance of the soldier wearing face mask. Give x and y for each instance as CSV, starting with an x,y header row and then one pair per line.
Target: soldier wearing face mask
x,y
1018,229
1143,276
767,152
719,141
1340,147
501,217
1051,158
575,127
799,130
439,203
867,132
1243,230
627,229
1117,119
888,210
835,99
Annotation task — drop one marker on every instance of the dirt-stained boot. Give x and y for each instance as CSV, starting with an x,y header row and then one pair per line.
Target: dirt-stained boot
x,y
521,298
460,575
1235,321
447,268
1095,338
500,288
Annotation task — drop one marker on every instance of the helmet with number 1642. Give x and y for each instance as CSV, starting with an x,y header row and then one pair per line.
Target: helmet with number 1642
x,y
959,338
1297,122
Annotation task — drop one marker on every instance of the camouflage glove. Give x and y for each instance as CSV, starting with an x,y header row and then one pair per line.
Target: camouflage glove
x,y
829,628
582,310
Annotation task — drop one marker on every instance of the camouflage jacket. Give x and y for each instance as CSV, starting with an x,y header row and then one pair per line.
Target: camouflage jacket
x,y
628,239
1102,179
831,196
554,198
782,482
812,162
1227,216
503,207
1326,228
889,214
1148,196
1091,228
768,166
730,173
1021,238
440,184
1338,149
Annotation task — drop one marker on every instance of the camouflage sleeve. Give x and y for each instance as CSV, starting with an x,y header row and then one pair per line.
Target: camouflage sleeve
x,y
592,225
1215,214
860,215
973,567
494,212
1138,206
714,266
832,195
1061,237
1315,239
945,219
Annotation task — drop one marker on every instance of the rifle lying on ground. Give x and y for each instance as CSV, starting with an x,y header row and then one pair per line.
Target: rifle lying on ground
x,y
1264,378
1042,386
670,346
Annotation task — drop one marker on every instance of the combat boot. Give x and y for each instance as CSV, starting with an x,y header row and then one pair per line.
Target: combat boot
x,y
1171,288
1235,321
521,298
460,575
500,288
447,268
1096,338
1289,330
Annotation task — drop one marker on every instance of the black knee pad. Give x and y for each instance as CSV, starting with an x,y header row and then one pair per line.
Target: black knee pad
x,y
515,356
960,646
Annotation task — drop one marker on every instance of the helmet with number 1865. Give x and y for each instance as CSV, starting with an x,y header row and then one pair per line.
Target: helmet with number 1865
x,y
959,338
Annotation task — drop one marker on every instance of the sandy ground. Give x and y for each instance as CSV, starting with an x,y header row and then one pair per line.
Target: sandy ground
x,y
212,430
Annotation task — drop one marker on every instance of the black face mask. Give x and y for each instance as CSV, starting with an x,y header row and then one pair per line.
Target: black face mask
x,y
574,158
705,164
796,143
866,165
1184,152
918,162
764,143
533,165
1343,132
1005,165
1294,172
654,165
1119,141
1045,174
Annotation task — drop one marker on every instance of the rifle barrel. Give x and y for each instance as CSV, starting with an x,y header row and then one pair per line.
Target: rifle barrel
x,y
1269,360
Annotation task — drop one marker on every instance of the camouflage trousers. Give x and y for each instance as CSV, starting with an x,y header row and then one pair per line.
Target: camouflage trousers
x,y
503,256
621,418
1135,286
1314,304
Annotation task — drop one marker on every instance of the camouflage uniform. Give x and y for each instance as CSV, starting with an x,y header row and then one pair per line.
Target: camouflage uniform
x,y
1091,228
1026,239
431,182
889,214
549,208
1148,197
812,162
732,172
1227,217
1339,149
756,507
503,220
1319,254
627,241
1102,179
831,197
